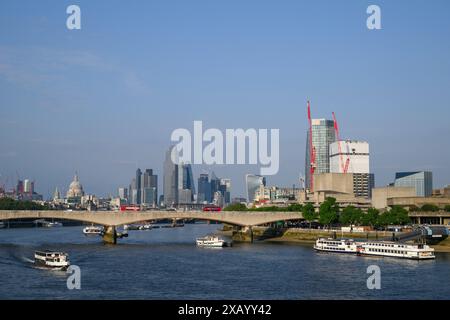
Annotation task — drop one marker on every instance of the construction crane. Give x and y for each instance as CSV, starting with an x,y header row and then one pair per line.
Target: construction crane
x,y
312,152
344,166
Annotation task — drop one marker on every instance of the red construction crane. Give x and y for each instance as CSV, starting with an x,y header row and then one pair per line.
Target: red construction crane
x,y
312,152
344,167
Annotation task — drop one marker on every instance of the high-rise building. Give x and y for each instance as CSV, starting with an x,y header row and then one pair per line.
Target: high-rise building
x,y
27,186
149,188
123,193
204,189
422,181
355,156
186,186
138,186
170,179
253,183
323,135
225,186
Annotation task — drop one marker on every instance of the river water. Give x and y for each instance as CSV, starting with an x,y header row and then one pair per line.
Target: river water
x,y
166,264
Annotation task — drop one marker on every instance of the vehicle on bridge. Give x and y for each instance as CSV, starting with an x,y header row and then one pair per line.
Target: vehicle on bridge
x,y
130,208
212,208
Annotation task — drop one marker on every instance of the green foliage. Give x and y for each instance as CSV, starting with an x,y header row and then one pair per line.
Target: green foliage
x,y
236,207
328,211
11,204
447,208
371,217
350,215
309,213
429,207
396,216
242,207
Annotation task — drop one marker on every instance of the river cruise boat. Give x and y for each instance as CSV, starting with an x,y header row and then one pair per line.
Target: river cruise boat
x,y
211,241
336,245
396,250
51,259
92,231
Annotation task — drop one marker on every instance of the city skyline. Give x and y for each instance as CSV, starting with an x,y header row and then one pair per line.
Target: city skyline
x,y
249,75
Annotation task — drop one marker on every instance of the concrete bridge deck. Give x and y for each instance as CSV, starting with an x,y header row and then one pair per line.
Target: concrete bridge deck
x,y
117,218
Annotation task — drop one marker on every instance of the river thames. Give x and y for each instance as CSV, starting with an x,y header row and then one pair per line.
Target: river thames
x,y
166,264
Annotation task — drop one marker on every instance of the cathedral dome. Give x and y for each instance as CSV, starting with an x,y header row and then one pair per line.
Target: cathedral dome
x,y
75,188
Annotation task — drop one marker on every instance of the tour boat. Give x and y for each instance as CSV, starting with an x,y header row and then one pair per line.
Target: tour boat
x,y
2,225
92,230
376,248
396,250
336,245
51,259
211,241
48,224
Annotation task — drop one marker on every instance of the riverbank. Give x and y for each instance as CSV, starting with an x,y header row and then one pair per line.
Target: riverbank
x,y
309,236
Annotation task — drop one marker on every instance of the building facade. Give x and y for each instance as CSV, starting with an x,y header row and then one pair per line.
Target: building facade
x,y
253,183
170,179
323,135
422,181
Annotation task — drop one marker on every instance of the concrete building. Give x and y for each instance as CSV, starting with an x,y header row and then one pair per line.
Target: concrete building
x,y
357,155
422,181
340,186
323,135
253,182
381,196
123,193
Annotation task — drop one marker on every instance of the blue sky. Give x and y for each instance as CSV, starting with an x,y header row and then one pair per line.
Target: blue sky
x,y
104,100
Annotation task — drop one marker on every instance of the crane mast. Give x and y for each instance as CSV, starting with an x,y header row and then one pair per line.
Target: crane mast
x,y
312,152
344,166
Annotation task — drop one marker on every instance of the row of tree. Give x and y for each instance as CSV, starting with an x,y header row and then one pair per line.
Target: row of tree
x,y
330,213
428,208
11,204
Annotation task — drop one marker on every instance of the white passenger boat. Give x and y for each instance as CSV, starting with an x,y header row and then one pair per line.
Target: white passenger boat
x,y
92,231
376,248
211,241
53,224
336,245
396,250
51,259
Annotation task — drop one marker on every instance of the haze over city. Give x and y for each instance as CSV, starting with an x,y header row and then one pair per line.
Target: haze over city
x,y
104,100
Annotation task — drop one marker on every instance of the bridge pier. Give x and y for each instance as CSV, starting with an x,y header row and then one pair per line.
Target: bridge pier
x,y
241,235
110,235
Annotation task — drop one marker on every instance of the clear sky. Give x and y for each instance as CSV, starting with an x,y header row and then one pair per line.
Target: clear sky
x,y
104,100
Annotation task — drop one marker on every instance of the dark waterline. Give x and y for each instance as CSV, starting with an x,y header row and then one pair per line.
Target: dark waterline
x,y
166,264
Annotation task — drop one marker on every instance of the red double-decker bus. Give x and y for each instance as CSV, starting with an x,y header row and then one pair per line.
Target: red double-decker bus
x,y
212,208
130,207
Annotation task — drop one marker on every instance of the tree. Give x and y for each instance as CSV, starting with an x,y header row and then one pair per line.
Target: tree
x,y
371,217
397,215
295,207
309,213
11,204
236,207
447,208
328,212
351,215
429,207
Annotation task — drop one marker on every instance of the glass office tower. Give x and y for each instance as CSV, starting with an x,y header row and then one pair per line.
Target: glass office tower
x,y
422,181
322,136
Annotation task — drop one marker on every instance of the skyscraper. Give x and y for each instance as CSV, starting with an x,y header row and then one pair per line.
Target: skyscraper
x,y
322,136
170,180
149,188
253,182
123,193
204,189
138,186
186,186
